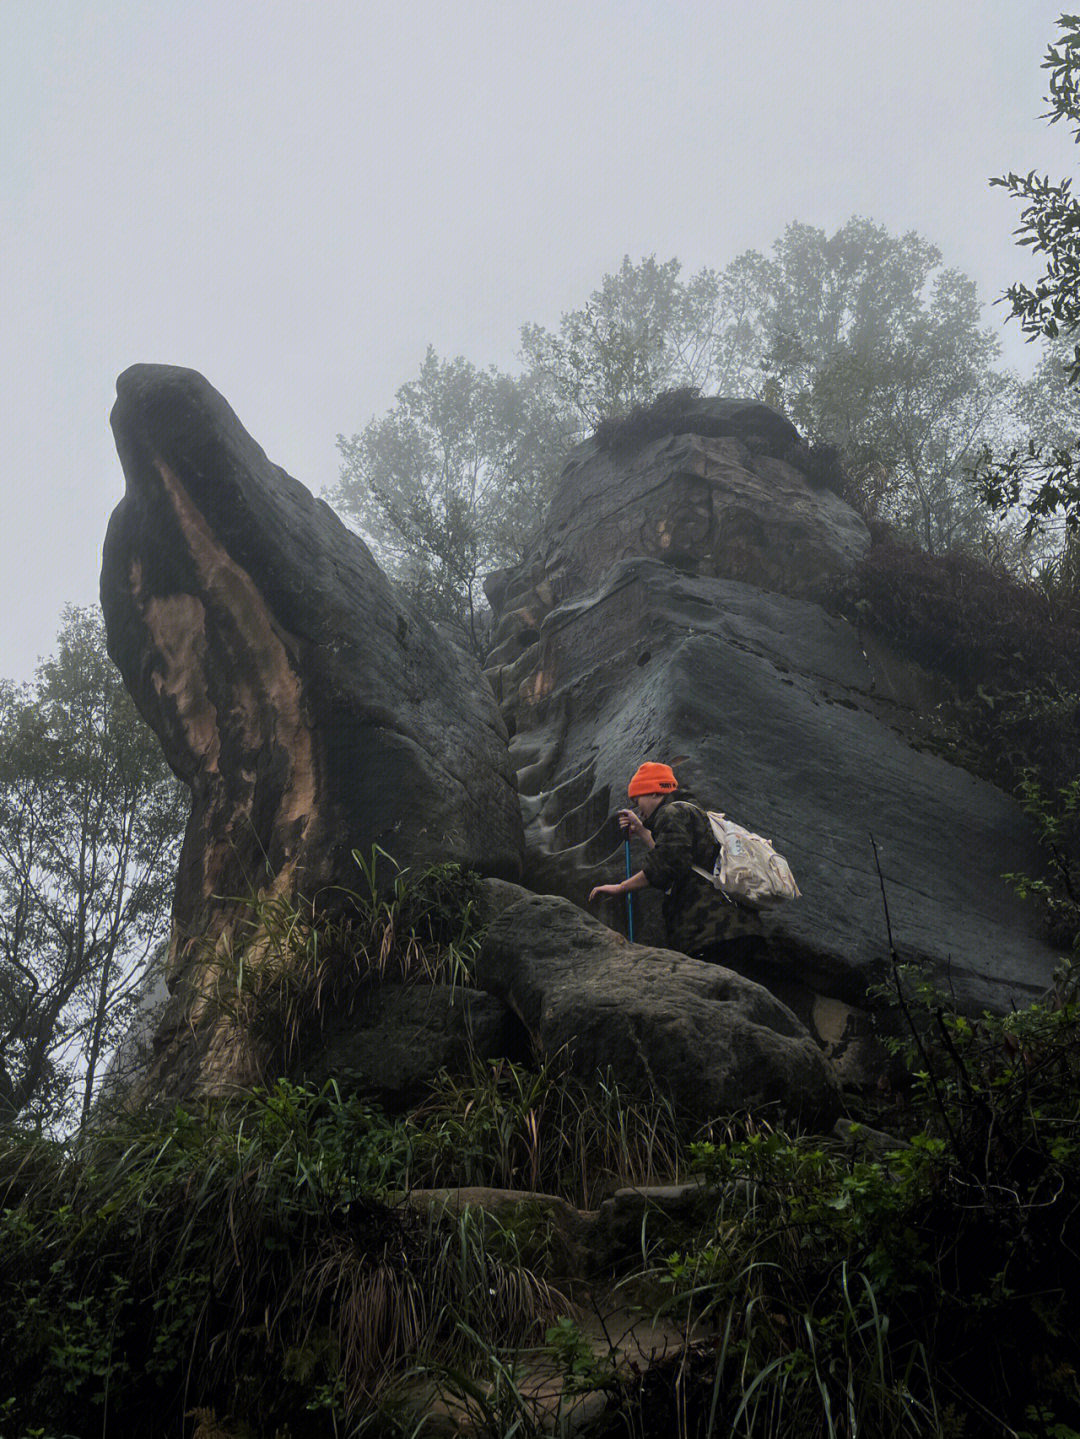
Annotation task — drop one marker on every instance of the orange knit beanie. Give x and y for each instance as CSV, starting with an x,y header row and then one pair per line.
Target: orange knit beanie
x,y
652,778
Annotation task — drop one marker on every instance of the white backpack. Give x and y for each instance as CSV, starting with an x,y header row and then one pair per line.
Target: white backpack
x,y
747,868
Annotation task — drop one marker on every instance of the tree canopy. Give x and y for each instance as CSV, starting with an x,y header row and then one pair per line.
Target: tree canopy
x,y
644,331
1042,479
449,484
872,346
866,339
90,825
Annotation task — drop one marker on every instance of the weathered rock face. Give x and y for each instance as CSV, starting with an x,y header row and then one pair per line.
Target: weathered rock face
x,y
398,1037
710,1040
719,498
785,717
307,706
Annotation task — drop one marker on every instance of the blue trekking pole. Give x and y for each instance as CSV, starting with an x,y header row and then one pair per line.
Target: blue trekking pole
x,y
629,900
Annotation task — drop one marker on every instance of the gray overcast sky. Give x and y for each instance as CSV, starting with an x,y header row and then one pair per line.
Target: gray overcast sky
x,y
297,198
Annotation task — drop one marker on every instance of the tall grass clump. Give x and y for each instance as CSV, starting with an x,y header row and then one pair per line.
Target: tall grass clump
x,y
257,1260
539,1128
785,1294
294,959
242,1260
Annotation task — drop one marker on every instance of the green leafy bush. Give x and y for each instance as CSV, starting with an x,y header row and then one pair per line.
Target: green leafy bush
x,y
243,1259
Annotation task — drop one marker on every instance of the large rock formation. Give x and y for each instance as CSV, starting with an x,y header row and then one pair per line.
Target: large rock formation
x,y
708,648
309,708
670,610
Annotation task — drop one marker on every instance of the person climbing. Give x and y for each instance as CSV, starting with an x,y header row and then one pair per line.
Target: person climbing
x,y
698,919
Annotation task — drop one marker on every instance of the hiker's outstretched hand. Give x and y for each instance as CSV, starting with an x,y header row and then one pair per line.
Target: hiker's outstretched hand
x,y
605,889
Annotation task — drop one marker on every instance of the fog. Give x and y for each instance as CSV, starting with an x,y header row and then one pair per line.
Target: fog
x,y
297,199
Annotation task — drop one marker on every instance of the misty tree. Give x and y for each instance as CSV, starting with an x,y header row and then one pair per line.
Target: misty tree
x,y
871,345
90,826
1046,424
1048,404
1041,478
450,483
644,331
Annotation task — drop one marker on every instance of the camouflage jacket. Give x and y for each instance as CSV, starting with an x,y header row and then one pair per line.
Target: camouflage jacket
x,y
696,916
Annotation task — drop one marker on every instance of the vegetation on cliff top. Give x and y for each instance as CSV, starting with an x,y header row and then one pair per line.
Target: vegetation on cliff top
x,y
866,340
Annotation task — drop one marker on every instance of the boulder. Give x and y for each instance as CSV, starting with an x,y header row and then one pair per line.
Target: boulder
x,y
310,709
713,1042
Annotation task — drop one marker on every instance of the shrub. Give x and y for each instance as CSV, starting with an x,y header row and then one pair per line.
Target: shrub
x,y
624,435
883,1287
295,958
965,619
824,469
245,1263
243,1259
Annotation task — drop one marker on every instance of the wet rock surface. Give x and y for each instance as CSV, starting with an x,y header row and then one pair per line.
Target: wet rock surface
x,y
394,1041
723,497
670,611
